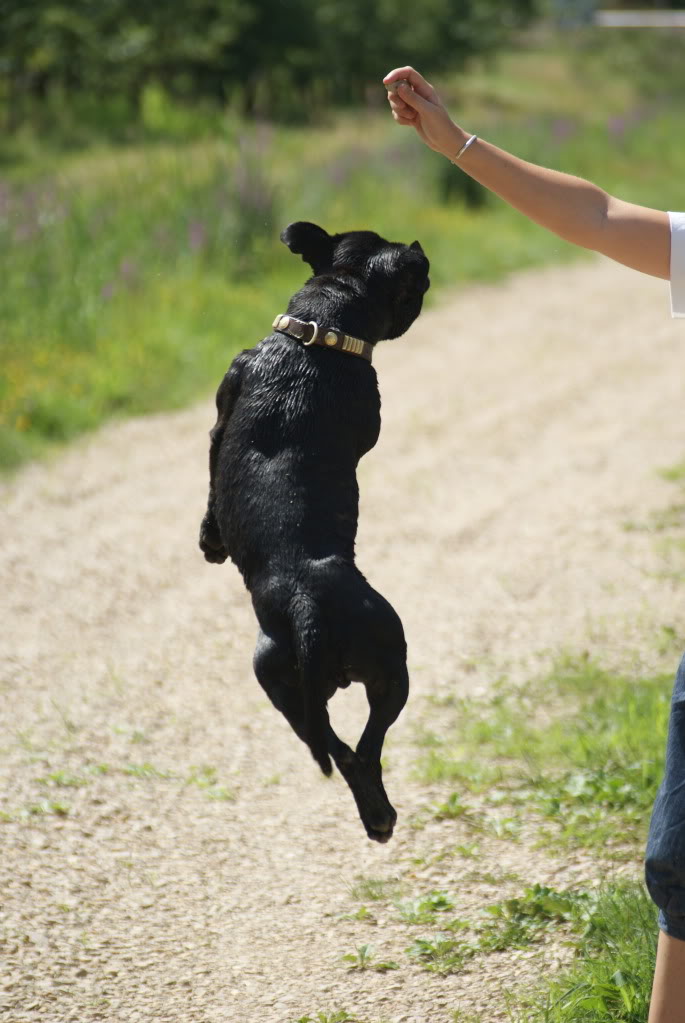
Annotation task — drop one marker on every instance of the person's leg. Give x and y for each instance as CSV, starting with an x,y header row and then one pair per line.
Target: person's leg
x,y
665,869
668,992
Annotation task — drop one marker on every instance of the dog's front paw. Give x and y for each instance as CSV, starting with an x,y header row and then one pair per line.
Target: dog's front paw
x,y
211,544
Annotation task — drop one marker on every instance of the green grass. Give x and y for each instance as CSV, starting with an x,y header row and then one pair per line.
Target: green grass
x,y
201,781
131,277
612,976
579,754
513,923
376,889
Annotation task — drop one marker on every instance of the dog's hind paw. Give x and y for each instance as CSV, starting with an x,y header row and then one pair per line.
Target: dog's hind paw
x,y
382,828
211,544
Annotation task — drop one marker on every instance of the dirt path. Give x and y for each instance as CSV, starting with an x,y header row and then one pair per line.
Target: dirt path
x,y
170,851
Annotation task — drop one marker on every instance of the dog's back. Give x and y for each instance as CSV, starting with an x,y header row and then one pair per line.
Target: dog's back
x,y
300,424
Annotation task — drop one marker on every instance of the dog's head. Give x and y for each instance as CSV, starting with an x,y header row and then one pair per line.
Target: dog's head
x,y
391,277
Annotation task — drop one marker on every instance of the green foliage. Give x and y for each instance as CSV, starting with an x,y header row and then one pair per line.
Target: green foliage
x,y
279,57
517,922
441,954
423,909
511,923
376,889
46,808
612,977
365,959
653,58
206,779
63,779
146,772
580,753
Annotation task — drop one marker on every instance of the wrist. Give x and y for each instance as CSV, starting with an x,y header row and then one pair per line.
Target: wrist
x,y
457,139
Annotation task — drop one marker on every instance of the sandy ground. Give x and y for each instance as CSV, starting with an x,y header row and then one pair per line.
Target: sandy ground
x,y
168,850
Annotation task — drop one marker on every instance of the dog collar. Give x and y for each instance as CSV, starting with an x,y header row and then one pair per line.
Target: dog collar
x,y
328,337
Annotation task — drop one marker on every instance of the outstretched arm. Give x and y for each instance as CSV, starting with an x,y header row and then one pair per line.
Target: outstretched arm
x,y
576,210
211,543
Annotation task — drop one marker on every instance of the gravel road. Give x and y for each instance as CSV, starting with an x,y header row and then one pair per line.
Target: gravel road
x,y
168,849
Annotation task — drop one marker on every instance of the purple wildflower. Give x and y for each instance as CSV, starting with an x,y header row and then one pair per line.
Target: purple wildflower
x,y
197,235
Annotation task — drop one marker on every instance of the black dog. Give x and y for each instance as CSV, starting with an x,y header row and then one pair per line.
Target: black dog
x,y
293,422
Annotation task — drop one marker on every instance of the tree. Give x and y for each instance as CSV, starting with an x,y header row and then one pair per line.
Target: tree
x,y
275,55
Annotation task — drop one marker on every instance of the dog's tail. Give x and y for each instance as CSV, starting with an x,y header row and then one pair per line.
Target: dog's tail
x,y
310,646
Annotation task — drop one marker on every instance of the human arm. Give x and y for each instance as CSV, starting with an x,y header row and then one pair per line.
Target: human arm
x,y
572,208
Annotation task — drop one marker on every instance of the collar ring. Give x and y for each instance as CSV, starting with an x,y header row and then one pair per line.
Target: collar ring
x,y
315,325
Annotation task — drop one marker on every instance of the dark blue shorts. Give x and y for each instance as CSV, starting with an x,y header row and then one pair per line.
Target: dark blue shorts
x,y
665,859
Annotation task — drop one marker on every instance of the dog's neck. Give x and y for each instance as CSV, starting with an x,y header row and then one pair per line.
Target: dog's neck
x,y
342,301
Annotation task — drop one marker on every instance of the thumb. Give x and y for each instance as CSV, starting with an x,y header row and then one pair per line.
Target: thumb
x,y
412,99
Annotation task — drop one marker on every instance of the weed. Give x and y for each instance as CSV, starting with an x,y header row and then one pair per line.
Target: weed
x,y
491,877
441,954
146,771
376,889
63,779
46,808
515,923
363,914
70,727
510,923
423,909
674,473
365,959
452,809
469,850
205,778
612,977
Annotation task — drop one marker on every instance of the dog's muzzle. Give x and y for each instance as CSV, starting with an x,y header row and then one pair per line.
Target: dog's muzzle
x,y
327,337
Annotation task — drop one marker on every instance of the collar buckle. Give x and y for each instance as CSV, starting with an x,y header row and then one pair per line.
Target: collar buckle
x,y
313,338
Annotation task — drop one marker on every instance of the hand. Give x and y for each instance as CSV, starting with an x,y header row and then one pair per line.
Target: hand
x,y
421,107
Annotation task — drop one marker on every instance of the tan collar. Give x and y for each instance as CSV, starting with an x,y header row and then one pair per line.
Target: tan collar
x,y
328,337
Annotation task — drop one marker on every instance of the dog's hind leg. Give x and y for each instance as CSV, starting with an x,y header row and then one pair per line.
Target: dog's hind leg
x,y
279,676
277,672
386,702
362,770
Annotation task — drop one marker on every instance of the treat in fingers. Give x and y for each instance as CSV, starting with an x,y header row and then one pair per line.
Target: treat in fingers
x,y
392,87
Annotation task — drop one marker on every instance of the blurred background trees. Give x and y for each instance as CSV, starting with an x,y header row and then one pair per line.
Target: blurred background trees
x,y
276,58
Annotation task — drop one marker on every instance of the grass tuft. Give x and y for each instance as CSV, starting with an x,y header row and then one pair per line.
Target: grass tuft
x,y
580,752
612,977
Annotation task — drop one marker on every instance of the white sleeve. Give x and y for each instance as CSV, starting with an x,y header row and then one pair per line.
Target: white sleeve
x,y
677,264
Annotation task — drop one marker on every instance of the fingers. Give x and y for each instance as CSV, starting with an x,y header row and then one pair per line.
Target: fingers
x,y
401,111
413,100
417,81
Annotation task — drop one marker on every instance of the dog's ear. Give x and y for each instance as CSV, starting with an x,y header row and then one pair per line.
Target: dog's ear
x,y
416,246
311,242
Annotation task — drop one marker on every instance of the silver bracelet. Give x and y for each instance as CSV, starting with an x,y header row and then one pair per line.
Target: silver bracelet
x,y
469,142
